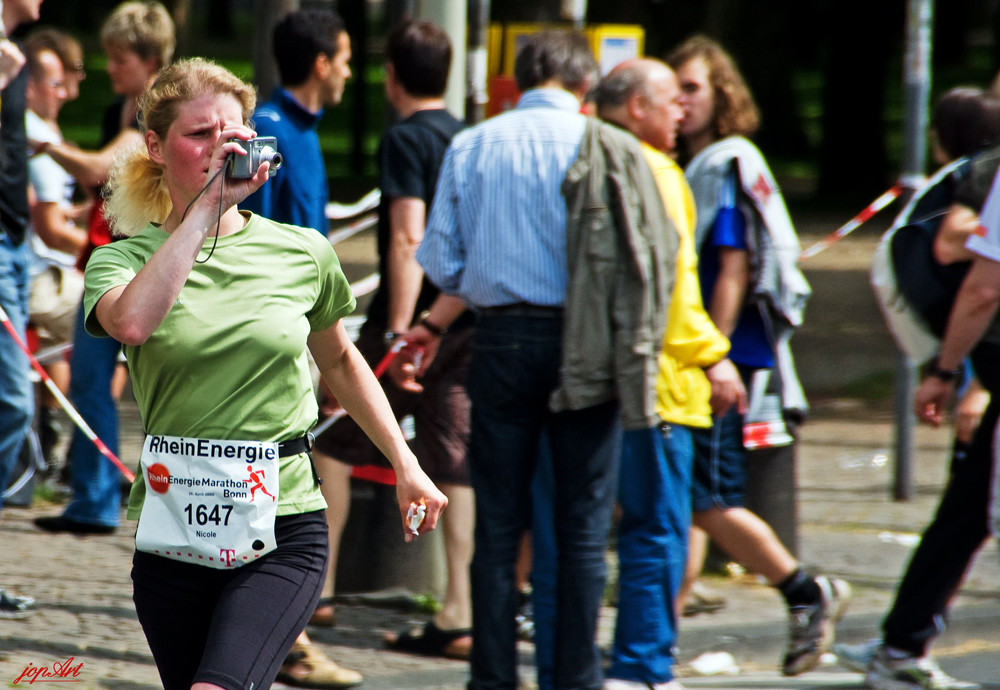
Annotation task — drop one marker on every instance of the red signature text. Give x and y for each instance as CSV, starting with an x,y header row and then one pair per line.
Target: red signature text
x,y
59,672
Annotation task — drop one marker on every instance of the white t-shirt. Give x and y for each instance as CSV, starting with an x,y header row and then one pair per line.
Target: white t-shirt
x,y
52,184
985,241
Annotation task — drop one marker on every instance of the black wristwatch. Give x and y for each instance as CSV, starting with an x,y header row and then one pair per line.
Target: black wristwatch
x,y
390,336
947,375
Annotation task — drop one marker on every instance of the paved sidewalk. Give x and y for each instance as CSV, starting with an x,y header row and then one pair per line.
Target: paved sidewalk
x,y
848,527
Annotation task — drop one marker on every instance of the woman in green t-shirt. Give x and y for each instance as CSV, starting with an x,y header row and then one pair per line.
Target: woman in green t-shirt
x,y
216,309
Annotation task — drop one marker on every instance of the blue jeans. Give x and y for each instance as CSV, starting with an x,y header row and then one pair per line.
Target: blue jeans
x,y
94,478
544,569
16,395
654,492
515,368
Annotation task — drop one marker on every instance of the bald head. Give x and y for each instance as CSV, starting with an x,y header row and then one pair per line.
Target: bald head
x,y
642,95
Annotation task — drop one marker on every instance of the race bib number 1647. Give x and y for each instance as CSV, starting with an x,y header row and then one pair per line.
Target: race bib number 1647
x,y
208,502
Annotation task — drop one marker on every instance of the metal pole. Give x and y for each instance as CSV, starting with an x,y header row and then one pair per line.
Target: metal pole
x,y
477,94
266,15
916,86
450,16
574,11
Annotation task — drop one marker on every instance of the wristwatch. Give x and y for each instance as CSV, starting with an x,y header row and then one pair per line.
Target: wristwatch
x,y
947,375
432,328
390,336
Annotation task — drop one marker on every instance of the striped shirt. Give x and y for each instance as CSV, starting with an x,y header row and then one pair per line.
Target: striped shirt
x,y
497,231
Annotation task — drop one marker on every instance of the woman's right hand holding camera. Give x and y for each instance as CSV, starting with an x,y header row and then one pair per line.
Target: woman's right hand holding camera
x,y
232,190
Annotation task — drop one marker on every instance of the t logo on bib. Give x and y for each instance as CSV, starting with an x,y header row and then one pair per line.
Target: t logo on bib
x,y
208,502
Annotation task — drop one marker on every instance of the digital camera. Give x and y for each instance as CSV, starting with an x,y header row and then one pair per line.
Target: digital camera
x,y
259,149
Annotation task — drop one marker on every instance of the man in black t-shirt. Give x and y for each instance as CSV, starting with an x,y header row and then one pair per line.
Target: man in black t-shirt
x,y
410,155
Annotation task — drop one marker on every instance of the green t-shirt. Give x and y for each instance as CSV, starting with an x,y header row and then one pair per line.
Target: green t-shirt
x,y
229,360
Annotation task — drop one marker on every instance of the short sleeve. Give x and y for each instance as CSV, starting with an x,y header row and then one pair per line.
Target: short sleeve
x,y
729,228
334,298
48,179
107,268
401,170
985,241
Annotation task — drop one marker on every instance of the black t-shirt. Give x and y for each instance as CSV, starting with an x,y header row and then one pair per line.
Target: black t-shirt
x,y
111,123
410,157
14,212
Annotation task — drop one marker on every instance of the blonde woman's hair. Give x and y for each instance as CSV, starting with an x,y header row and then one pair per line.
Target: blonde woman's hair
x,y
145,28
136,194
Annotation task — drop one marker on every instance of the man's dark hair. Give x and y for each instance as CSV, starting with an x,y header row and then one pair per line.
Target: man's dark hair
x,y
965,120
617,87
299,37
561,55
420,53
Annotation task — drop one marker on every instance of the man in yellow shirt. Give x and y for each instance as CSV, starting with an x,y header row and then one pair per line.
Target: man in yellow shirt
x,y
695,380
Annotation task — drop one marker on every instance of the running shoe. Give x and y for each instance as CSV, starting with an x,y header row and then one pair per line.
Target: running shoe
x,y
811,628
525,618
14,606
857,657
910,673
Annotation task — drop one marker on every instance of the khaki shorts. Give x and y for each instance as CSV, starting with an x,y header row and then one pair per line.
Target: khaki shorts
x,y
440,413
53,302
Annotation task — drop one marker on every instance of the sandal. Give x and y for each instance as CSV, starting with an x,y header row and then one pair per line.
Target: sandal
x,y
430,640
324,616
306,666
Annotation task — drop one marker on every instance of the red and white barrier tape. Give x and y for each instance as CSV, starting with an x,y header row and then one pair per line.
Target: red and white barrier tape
x,y
853,224
379,369
66,405
372,473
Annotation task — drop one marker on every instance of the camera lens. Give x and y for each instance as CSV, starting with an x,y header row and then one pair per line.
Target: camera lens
x,y
274,158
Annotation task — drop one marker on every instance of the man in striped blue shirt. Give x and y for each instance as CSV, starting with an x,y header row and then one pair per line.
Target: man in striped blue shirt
x,y
496,237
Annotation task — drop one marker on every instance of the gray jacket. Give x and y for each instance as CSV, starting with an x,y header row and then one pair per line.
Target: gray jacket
x,y
621,249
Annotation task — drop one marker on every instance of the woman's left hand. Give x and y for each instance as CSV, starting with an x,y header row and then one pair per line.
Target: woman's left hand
x,y
414,486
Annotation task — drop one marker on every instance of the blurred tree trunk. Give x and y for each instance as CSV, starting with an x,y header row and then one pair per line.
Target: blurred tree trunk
x,y
219,18
768,41
853,160
353,12
525,11
952,22
266,14
180,10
